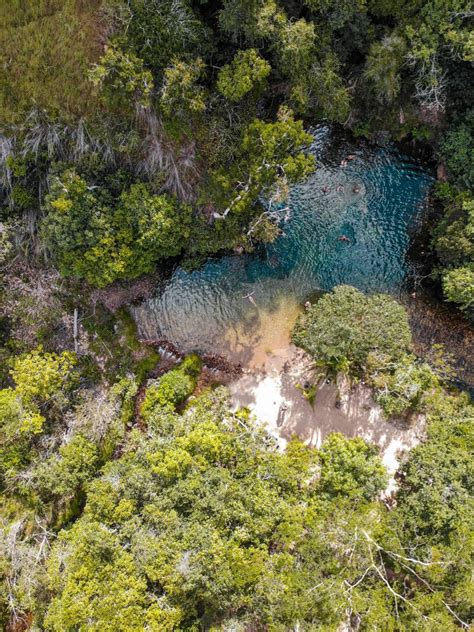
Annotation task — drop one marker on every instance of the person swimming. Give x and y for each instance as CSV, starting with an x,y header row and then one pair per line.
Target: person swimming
x,y
343,238
356,188
325,189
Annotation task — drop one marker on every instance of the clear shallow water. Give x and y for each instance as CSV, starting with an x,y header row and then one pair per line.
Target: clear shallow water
x,y
376,201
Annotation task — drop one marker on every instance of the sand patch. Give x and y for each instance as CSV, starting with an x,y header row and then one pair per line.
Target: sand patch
x,y
272,395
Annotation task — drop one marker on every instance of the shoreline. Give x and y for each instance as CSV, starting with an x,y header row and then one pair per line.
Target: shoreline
x,y
272,395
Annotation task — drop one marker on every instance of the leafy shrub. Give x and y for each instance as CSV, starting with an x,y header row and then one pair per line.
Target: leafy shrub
x,y
101,240
457,148
173,388
246,72
122,78
458,286
350,468
403,385
345,326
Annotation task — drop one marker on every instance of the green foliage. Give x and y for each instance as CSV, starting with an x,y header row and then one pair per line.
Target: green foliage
x,y
216,521
402,386
244,74
114,600
345,327
39,379
173,388
458,286
454,235
350,468
338,12
435,497
457,148
181,96
383,67
39,375
63,475
162,29
454,244
102,240
195,520
122,78
267,150
42,381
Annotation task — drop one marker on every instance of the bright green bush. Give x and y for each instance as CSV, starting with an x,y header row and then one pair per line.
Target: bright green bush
x,y
345,326
246,72
173,388
122,78
458,286
101,240
181,95
350,468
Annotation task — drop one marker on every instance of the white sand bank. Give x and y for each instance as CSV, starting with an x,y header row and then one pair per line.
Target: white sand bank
x,y
270,392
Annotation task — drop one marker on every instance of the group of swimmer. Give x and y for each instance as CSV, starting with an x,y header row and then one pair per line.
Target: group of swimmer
x,y
340,187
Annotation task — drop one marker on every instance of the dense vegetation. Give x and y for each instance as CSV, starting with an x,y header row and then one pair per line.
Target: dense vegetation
x,y
132,498
368,337
163,111
196,519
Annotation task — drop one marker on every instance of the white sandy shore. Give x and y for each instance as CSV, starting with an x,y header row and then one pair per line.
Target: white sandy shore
x,y
270,392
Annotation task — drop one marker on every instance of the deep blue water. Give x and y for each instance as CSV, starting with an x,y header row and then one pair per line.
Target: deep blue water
x,y
375,202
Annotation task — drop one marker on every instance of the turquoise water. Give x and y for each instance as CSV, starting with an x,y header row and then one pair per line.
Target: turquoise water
x,y
374,201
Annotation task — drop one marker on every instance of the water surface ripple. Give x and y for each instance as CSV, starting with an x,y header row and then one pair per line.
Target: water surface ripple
x,y
349,223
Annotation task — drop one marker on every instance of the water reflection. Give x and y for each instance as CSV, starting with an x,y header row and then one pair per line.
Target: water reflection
x,y
349,223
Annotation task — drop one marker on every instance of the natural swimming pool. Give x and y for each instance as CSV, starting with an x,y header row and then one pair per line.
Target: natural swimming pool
x,y
351,222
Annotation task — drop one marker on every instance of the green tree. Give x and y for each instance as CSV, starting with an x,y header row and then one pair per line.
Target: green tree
x,y
122,78
457,149
173,388
402,386
350,468
181,96
458,286
267,151
345,327
338,12
101,240
247,72
383,67
454,234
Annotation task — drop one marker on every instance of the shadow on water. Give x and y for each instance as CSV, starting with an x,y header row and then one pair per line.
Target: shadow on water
x,y
350,222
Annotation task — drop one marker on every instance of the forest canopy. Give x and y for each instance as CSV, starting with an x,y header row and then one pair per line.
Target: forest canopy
x,y
134,495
